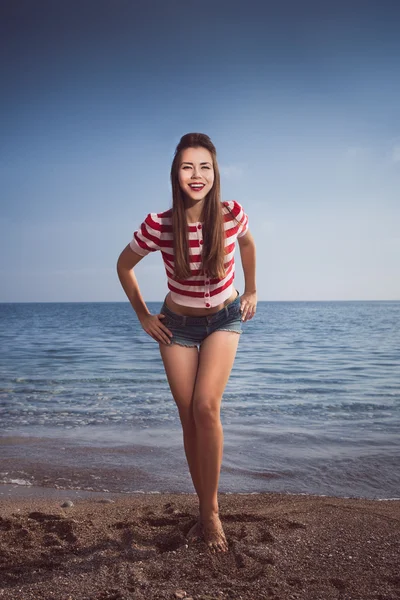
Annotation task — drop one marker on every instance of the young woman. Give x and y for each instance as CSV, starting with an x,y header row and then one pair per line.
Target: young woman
x,y
200,322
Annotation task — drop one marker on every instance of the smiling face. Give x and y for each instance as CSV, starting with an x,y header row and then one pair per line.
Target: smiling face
x,y
196,173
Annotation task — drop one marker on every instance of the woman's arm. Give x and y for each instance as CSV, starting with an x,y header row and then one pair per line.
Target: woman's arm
x,y
248,255
126,261
248,301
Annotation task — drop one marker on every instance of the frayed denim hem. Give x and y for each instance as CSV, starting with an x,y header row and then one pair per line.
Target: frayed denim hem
x,y
233,330
183,344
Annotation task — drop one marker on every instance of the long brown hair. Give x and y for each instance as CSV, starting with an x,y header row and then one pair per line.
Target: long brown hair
x,y
212,216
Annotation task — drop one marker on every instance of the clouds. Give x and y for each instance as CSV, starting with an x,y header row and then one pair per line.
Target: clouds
x,y
357,152
396,154
377,152
231,171
376,164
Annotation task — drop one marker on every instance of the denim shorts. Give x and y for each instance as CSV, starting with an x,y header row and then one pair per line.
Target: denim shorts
x,y
192,331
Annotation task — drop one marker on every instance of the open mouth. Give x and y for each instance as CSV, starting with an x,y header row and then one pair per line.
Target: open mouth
x,y
196,187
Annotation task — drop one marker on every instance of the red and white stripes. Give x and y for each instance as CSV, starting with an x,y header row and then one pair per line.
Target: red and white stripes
x,y
199,291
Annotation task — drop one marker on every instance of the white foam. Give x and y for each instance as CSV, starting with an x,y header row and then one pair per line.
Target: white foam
x,y
18,481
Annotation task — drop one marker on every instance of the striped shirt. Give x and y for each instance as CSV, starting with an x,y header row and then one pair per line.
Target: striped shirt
x,y
198,291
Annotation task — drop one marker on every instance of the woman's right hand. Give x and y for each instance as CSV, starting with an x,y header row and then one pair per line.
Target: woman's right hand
x,y
153,326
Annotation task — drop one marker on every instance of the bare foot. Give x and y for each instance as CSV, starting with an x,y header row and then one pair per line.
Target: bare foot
x,y
214,535
195,533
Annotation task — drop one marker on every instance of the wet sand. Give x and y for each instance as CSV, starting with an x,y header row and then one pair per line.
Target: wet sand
x,y
113,547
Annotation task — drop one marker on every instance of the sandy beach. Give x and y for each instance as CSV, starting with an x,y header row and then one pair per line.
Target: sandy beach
x,y
113,547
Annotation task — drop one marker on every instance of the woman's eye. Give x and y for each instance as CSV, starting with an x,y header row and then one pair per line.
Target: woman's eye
x,y
189,167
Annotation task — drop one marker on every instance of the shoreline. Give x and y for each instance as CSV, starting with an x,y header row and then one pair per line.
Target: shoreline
x,y
109,546
18,492
102,465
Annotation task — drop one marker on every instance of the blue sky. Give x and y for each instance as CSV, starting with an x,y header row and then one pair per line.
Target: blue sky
x,y
301,100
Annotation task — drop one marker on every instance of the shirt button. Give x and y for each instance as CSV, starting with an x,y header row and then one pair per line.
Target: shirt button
x,y
208,305
198,226
207,282
206,295
201,241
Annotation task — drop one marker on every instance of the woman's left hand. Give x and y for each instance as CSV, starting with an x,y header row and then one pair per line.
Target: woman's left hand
x,y
248,305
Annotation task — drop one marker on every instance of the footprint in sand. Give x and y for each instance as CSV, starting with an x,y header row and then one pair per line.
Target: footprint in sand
x,y
60,526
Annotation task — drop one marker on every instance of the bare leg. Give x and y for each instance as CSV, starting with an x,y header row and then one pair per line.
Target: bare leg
x,y
210,445
181,365
190,445
217,354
